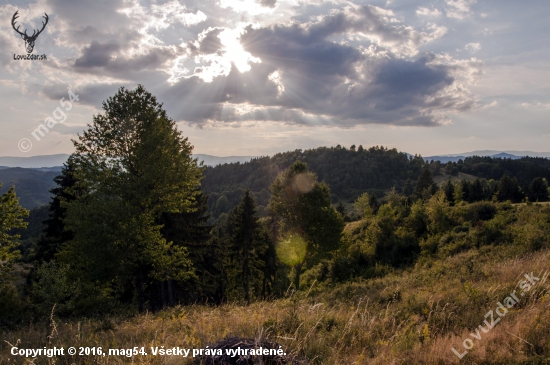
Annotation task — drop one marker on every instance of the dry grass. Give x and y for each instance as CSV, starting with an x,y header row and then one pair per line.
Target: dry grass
x,y
414,317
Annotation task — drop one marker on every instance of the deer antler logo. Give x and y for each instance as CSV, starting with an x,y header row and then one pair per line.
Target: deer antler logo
x,y
29,40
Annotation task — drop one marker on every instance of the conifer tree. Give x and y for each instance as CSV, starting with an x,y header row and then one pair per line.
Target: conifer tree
x,y
449,190
55,233
190,231
424,184
247,244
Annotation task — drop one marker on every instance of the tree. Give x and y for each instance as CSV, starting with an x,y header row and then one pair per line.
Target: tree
x,y
476,191
309,226
190,230
11,216
55,233
136,166
508,189
362,205
538,190
247,244
424,185
449,190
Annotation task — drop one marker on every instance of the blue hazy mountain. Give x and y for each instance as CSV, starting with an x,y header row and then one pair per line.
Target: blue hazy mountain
x,y
54,162
491,153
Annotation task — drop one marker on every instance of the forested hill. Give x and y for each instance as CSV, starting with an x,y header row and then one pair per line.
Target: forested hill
x,y
348,173
523,169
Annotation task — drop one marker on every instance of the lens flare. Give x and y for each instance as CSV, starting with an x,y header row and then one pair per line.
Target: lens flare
x,y
291,250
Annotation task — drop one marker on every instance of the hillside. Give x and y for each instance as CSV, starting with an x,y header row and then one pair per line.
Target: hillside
x,y
348,173
31,186
414,316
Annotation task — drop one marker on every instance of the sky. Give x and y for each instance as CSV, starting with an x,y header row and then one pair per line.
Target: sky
x,y
257,77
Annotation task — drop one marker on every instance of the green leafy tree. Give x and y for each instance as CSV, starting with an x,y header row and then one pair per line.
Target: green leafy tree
x,y
136,166
538,190
438,213
11,216
309,226
508,189
248,244
362,205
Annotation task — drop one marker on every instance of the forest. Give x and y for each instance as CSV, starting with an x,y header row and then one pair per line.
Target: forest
x,y
329,241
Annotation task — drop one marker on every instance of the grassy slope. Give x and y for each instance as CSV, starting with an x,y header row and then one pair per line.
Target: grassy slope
x,y
409,317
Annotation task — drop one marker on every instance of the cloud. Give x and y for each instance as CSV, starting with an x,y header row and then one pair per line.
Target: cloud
x,y
473,47
97,55
306,78
351,65
268,3
428,12
536,104
459,9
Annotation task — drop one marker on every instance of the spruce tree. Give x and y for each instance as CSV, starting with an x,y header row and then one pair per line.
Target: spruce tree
x,y
55,233
191,231
476,191
449,190
247,244
424,185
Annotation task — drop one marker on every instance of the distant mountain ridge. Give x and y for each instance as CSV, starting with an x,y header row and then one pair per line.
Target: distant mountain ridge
x,y
210,160
54,162
514,155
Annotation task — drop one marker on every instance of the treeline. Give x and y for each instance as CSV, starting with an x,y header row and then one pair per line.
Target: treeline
x,y
348,172
351,171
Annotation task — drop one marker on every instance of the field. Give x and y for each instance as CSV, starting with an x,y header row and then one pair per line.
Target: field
x,y
414,316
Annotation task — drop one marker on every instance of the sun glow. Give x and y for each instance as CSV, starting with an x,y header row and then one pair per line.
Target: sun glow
x,y
232,53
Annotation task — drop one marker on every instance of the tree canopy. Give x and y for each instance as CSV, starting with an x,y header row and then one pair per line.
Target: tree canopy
x,y
135,165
